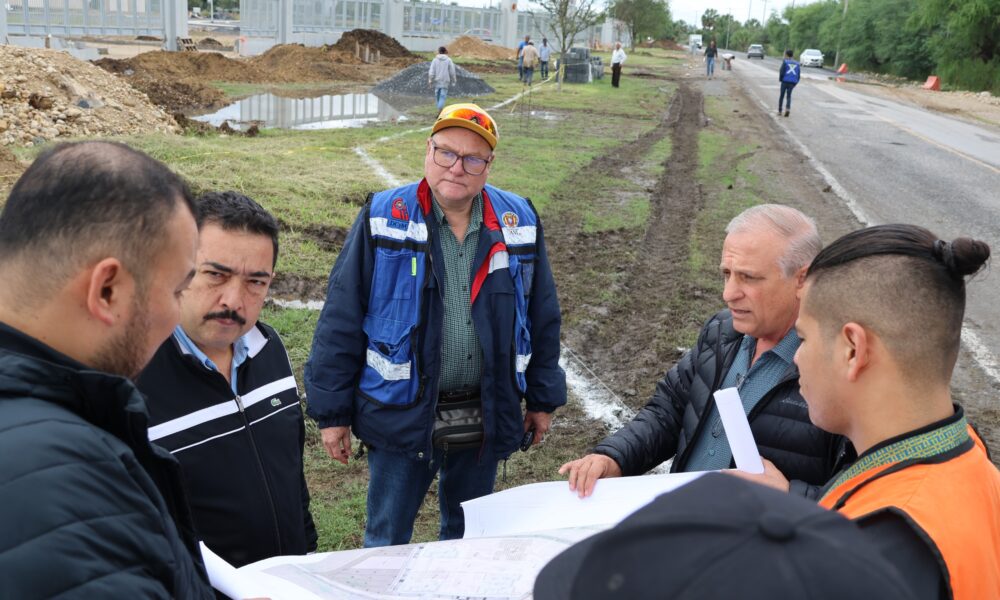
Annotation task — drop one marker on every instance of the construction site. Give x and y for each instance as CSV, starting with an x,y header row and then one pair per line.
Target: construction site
x,y
635,185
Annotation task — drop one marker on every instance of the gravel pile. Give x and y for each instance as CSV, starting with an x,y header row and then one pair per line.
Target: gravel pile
x,y
47,94
412,81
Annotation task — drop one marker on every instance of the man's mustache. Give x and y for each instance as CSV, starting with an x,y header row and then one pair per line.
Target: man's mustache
x,y
232,315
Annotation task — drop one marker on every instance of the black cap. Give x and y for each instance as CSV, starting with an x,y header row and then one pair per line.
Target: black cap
x,y
723,537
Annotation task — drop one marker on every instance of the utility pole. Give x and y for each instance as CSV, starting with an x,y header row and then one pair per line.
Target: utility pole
x,y
749,9
763,15
840,34
729,27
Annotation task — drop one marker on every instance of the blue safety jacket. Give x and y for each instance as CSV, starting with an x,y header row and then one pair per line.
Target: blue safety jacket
x,y
790,71
376,356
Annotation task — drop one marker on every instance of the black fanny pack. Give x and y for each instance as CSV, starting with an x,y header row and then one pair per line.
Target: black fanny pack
x,y
459,420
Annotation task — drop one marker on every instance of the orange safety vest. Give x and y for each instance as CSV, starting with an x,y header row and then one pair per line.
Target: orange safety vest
x,y
954,496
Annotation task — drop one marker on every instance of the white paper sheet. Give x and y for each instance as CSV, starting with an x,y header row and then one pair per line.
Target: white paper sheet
x,y
741,441
225,578
552,505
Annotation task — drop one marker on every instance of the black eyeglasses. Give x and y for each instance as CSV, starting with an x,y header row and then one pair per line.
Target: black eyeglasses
x,y
473,165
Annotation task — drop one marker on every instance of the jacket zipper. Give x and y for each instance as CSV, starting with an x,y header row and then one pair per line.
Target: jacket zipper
x,y
702,421
263,474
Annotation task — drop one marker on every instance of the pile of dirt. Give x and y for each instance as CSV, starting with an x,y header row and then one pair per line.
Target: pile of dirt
x,y
386,45
182,80
412,81
10,169
467,46
294,62
662,44
45,94
210,44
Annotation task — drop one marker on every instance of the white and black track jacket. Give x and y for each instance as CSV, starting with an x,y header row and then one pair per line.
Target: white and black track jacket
x,y
242,455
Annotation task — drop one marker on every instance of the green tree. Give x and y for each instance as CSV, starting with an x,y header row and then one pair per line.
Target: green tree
x,y
964,40
708,19
643,18
810,26
569,19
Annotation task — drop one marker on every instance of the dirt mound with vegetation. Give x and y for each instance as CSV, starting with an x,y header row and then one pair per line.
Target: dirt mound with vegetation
x,y
47,94
662,44
183,80
386,45
294,62
468,46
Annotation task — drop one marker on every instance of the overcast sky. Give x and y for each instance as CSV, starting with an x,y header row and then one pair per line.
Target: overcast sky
x,y
690,10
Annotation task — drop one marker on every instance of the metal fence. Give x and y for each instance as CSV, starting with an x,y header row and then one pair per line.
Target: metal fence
x,y
416,25
84,17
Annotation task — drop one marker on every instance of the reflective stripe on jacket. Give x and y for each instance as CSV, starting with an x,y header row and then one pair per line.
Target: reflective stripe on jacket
x,y
375,363
954,497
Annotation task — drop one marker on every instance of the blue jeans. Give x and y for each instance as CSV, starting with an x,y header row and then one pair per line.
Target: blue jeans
x,y
398,484
529,74
440,94
786,88
710,65
545,69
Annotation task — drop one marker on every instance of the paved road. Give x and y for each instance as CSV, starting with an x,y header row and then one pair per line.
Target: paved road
x,y
893,162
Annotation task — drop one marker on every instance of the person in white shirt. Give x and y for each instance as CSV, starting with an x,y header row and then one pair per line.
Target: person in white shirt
x,y
617,60
543,58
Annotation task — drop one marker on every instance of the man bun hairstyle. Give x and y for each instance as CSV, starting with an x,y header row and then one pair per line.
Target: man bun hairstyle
x,y
903,283
232,211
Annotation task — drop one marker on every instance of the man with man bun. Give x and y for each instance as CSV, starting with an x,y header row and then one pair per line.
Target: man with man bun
x,y
880,326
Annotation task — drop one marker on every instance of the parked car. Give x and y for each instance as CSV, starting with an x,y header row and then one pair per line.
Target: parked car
x,y
811,58
480,32
755,50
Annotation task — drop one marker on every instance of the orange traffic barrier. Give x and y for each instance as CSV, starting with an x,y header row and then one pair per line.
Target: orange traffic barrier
x,y
933,83
843,69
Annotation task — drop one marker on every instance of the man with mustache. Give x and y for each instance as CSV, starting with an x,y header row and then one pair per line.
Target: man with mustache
x,y
97,242
222,396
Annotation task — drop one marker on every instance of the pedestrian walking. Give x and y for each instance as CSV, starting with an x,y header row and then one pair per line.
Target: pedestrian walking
x,y
711,53
544,53
529,60
789,77
441,75
438,346
520,63
617,60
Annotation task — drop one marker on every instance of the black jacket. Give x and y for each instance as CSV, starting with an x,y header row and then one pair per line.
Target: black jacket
x,y
88,508
674,417
241,456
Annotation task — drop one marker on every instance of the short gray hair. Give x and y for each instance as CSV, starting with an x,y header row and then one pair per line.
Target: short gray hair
x,y
792,225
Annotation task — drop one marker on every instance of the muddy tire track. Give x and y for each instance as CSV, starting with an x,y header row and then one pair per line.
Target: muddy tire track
x,y
632,343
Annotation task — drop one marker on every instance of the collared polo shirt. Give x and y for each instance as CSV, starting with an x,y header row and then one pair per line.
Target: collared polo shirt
x,y
711,450
461,356
241,349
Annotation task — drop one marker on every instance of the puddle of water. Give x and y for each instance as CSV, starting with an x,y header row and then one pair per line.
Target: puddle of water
x,y
321,112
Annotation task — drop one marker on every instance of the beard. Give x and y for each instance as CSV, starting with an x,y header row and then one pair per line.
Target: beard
x,y
126,354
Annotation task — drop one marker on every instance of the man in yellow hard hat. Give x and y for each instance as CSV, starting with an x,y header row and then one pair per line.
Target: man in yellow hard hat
x,y
441,317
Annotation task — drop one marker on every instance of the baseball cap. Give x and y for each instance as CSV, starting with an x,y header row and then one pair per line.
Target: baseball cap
x,y
722,537
471,117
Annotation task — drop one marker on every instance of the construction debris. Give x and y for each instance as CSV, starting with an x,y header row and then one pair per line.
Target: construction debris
x,y
46,94
468,46
412,81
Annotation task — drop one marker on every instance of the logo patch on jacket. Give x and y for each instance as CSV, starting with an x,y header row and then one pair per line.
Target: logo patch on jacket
x,y
509,219
400,213
275,401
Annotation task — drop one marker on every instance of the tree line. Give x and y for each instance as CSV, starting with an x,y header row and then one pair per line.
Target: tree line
x,y
958,40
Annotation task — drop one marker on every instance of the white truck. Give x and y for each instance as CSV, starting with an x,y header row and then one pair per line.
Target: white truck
x,y
694,42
